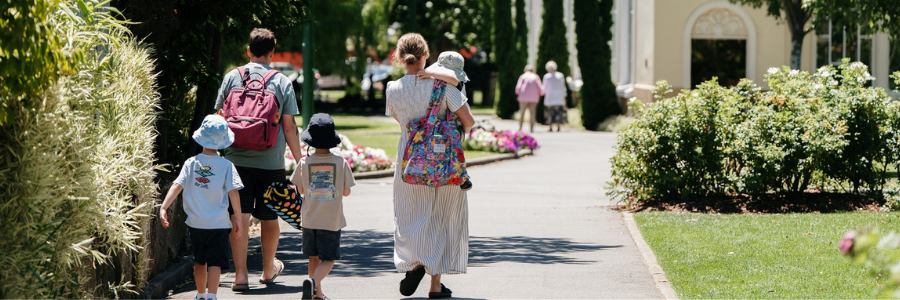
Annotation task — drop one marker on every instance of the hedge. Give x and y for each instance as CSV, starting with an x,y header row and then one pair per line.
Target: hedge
x,y
825,130
77,164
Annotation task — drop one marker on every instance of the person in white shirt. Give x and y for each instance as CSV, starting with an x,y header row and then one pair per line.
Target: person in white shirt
x,y
208,181
554,97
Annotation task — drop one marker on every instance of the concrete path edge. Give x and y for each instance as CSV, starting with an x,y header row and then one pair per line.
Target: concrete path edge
x,y
662,284
159,286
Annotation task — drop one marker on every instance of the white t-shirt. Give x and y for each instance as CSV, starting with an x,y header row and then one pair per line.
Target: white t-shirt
x,y
206,180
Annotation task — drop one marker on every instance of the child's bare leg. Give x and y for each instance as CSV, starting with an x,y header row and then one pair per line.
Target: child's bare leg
x,y
213,279
200,277
324,267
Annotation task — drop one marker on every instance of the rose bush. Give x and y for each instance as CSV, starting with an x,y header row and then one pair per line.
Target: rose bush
x,y
880,253
821,130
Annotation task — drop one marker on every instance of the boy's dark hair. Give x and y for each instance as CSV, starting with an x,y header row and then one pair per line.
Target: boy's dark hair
x,y
262,41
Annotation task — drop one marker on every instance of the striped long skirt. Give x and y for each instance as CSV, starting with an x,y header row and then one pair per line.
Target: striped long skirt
x,y
431,228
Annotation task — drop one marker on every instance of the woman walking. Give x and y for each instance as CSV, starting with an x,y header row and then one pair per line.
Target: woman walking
x,y
431,225
555,97
530,90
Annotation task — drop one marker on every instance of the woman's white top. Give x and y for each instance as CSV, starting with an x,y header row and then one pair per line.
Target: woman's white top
x,y
554,89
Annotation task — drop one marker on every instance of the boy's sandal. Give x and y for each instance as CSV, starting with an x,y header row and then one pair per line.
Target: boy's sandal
x,y
444,293
409,284
279,267
309,288
240,287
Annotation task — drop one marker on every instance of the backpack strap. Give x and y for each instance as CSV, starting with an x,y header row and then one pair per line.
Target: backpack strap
x,y
269,74
242,71
437,95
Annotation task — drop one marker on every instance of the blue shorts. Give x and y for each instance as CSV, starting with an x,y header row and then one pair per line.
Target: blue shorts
x,y
325,244
210,246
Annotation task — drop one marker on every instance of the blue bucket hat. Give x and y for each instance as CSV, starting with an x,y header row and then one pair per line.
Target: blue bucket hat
x,y
214,133
452,61
320,132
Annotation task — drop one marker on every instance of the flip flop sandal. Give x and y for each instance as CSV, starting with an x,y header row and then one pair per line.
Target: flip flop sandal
x,y
240,287
409,284
323,298
444,293
309,288
279,266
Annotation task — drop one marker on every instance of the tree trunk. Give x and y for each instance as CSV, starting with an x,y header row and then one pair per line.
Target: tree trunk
x,y
796,47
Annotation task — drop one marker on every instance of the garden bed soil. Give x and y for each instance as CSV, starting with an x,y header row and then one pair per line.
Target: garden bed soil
x,y
767,204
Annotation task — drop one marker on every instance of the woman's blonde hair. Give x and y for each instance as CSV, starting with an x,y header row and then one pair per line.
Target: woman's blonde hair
x,y
550,66
529,68
410,48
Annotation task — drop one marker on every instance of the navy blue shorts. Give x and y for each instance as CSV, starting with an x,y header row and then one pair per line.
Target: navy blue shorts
x,y
325,244
210,246
256,182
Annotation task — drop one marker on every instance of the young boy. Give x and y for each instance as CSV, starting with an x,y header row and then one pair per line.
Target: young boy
x,y
324,179
449,68
208,181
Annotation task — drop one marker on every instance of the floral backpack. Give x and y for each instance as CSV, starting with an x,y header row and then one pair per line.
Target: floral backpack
x,y
434,154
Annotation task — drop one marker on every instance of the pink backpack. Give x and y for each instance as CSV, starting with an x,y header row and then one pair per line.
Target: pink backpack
x,y
252,112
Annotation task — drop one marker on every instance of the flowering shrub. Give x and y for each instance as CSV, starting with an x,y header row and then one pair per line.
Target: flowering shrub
x,y
360,159
880,252
503,141
825,129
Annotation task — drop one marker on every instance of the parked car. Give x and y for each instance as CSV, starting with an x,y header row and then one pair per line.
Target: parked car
x,y
372,79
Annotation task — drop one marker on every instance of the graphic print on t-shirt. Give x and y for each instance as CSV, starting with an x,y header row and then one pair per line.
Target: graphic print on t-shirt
x,y
321,182
202,181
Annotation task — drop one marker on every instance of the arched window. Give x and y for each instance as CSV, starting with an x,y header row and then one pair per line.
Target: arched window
x,y
720,41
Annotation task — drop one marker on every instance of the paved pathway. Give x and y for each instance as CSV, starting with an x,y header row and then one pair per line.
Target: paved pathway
x,y
540,228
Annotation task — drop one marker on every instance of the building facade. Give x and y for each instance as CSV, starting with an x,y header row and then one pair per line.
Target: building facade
x,y
689,41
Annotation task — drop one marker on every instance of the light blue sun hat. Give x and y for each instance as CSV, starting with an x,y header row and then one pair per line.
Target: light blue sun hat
x,y
454,62
214,133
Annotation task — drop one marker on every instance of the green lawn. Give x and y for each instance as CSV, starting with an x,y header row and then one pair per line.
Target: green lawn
x,y
760,256
373,133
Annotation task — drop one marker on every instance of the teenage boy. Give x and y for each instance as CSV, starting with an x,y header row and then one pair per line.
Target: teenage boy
x,y
259,168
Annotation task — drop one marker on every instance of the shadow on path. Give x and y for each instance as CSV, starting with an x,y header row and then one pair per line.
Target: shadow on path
x,y
368,253
523,249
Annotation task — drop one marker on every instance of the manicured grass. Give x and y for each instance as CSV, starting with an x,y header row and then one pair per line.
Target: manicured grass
x,y
760,256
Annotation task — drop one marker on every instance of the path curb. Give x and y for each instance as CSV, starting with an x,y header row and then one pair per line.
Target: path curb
x,y
161,284
474,162
662,284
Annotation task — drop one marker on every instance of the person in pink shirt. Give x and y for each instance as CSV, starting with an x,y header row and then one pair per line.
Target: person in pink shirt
x,y
530,90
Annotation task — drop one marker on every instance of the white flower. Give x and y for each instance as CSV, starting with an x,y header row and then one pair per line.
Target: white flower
x,y
860,79
818,86
794,73
823,72
773,70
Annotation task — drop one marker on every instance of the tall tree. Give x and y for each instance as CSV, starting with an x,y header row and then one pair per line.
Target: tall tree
x,y
593,29
507,58
797,15
522,32
552,45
